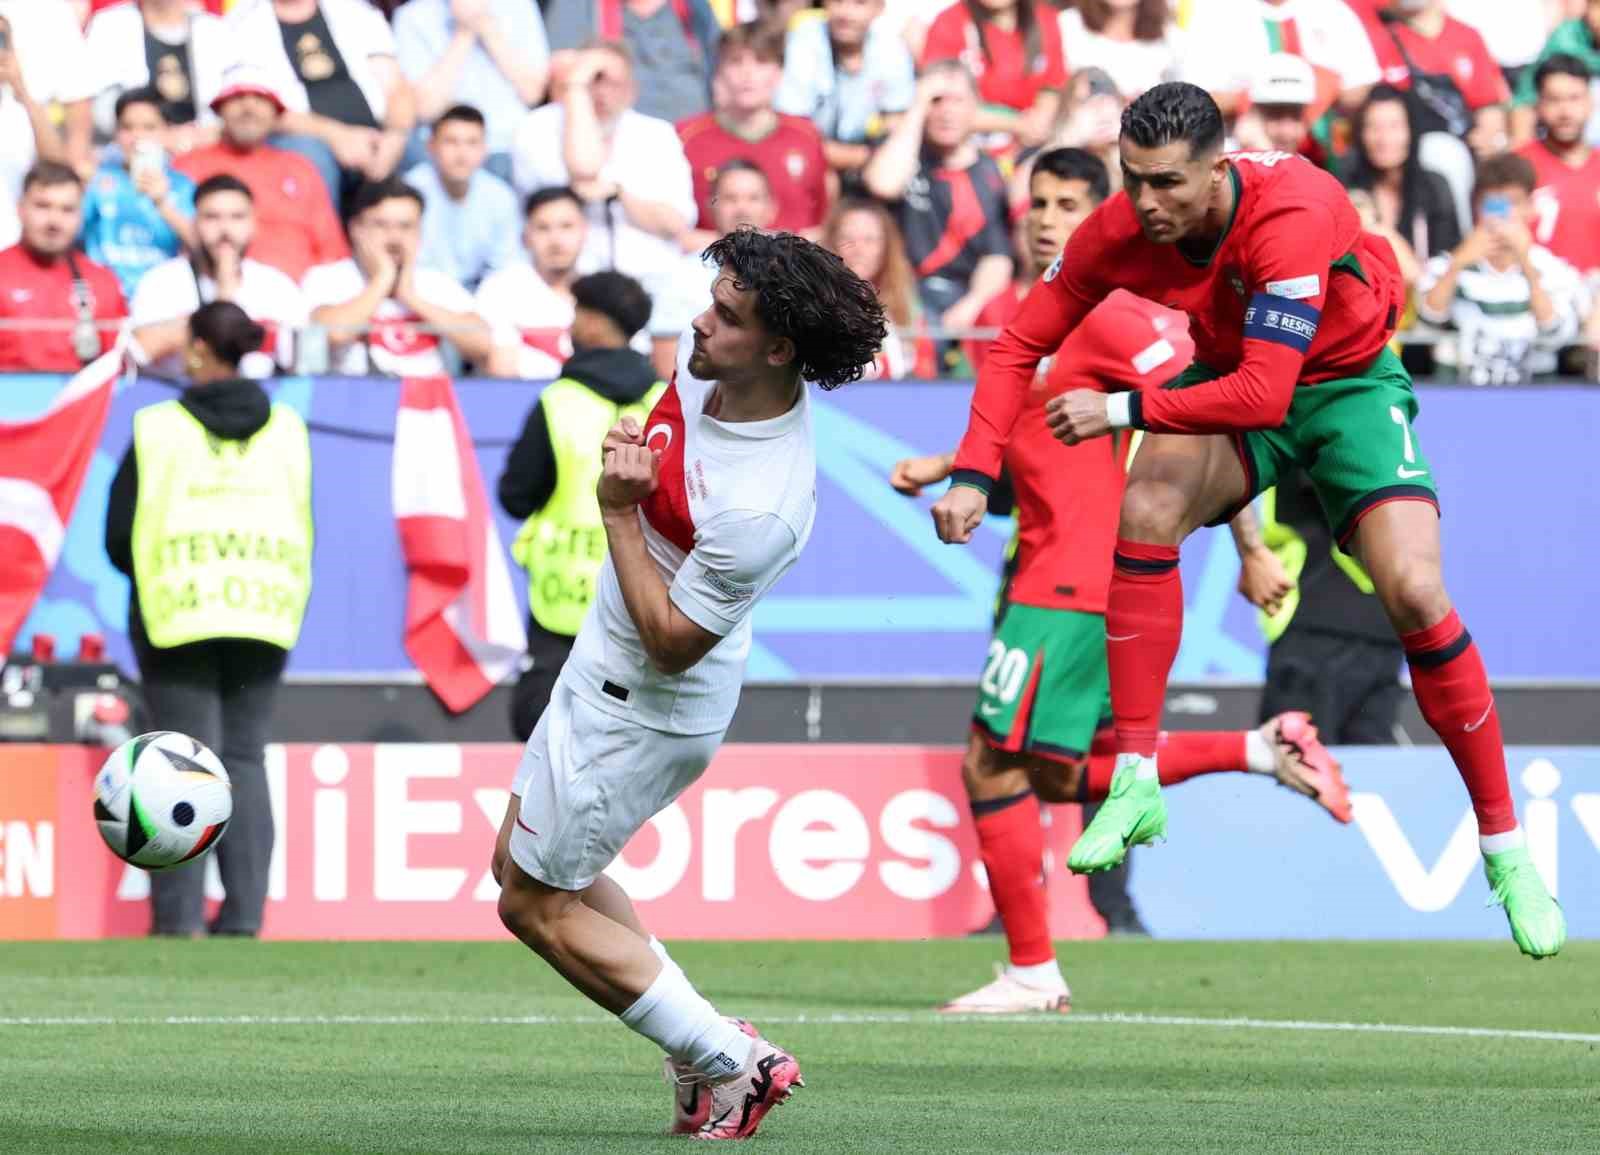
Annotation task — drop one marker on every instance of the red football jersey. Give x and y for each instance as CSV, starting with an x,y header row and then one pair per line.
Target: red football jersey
x,y
790,155
1567,205
43,291
1295,292
1069,497
1000,59
1457,52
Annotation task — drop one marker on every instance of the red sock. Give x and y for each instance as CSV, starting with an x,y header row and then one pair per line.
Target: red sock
x,y
1144,623
1180,756
1453,693
1011,842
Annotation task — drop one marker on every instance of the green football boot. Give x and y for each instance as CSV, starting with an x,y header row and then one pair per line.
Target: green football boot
x,y
1133,814
1536,919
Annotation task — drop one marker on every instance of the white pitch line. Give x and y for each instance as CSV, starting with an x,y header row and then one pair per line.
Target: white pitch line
x,y
923,1018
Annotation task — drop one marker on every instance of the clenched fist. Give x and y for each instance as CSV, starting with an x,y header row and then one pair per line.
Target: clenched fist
x,y
959,512
627,478
1077,415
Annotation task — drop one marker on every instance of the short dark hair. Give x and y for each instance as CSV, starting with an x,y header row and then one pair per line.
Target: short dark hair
x,y
1504,170
371,193
1560,64
547,196
465,113
762,37
617,296
1172,112
808,295
145,95
221,183
1076,164
227,331
740,164
49,174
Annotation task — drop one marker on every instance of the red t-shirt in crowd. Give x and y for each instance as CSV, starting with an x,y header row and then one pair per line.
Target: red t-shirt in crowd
x,y
32,290
1458,52
790,155
1000,59
1069,498
1566,205
1279,303
296,227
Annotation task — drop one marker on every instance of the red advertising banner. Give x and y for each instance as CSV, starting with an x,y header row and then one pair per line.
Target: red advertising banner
x,y
393,841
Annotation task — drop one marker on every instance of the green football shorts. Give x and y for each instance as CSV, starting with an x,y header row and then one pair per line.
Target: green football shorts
x,y
1352,436
1044,688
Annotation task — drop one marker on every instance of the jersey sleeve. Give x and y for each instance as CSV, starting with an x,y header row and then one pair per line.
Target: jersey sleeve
x,y
1488,85
738,555
1289,273
1053,308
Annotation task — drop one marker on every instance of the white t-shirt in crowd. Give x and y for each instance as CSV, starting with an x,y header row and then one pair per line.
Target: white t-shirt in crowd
x,y
1330,36
358,29
732,512
49,43
1514,32
1134,65
1224,45
115,44
174,289
525,313
396,345
646,158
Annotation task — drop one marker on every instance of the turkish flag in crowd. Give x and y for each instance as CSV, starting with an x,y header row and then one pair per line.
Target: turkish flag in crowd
x,y
42,463
463,628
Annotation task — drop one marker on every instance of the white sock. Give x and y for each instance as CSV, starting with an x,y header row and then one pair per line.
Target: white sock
x,y
1045,976
1259,755
1146,766
1505,840
678,1019
659,948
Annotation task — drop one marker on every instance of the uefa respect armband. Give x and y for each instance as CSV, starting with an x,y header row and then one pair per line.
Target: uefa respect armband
x,y
1281,320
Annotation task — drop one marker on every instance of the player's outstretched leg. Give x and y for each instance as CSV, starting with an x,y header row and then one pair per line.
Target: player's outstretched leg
x,y
1399,544
1286,747
632,976
1005,812
1175,484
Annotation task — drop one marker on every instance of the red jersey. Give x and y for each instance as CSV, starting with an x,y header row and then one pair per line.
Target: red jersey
x,y
296,227
1294,292
1457,52
33,290
1000,59
1566,205
1069,497
791,156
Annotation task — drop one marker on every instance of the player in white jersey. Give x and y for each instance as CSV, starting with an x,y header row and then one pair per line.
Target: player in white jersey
x,y
704,507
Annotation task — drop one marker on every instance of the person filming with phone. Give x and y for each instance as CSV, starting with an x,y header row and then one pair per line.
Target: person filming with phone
x,y
1511,303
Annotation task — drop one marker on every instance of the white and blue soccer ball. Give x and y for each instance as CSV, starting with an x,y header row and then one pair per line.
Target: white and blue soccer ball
x,y
162,799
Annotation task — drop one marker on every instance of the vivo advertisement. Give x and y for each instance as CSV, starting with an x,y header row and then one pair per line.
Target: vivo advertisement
x,y
876,595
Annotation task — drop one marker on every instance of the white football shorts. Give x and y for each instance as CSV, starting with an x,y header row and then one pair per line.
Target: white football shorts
x,y
588,781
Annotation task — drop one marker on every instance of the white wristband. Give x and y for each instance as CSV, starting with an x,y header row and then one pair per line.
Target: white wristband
x,y
1117,409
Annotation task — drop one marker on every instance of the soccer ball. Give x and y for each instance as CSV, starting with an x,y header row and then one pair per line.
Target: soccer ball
x,y
162,799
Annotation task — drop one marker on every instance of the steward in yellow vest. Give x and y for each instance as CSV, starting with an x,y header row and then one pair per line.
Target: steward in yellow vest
x,y
1333,651
550,475
210,515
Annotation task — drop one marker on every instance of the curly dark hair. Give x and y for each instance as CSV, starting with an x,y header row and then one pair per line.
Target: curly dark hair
x,y
807,294
1172,112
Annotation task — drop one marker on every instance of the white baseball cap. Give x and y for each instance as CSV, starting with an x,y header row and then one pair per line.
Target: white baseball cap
x,y
1284,79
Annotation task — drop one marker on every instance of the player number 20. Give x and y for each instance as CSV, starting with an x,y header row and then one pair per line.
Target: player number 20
x,y
1003,674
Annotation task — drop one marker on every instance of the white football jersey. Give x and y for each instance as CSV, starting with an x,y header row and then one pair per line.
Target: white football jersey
x,y
733,509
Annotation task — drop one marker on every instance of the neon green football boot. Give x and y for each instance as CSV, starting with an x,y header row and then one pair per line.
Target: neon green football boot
x,y
1536,919
1133,814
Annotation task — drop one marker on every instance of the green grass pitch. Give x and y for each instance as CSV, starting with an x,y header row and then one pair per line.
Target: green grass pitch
x,y
372,1047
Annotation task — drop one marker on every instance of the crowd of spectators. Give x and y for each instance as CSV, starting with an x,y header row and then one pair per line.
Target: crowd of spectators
x,y
413,186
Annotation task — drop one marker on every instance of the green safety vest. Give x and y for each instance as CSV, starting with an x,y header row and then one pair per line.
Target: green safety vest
x,y
563,545
1291,549
222,530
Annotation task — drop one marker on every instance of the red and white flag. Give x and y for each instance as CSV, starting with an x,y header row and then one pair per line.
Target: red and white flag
x,y
463,629
42,463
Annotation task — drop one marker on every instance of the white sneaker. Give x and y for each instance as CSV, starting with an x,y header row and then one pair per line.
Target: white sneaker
x,y
1007,995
